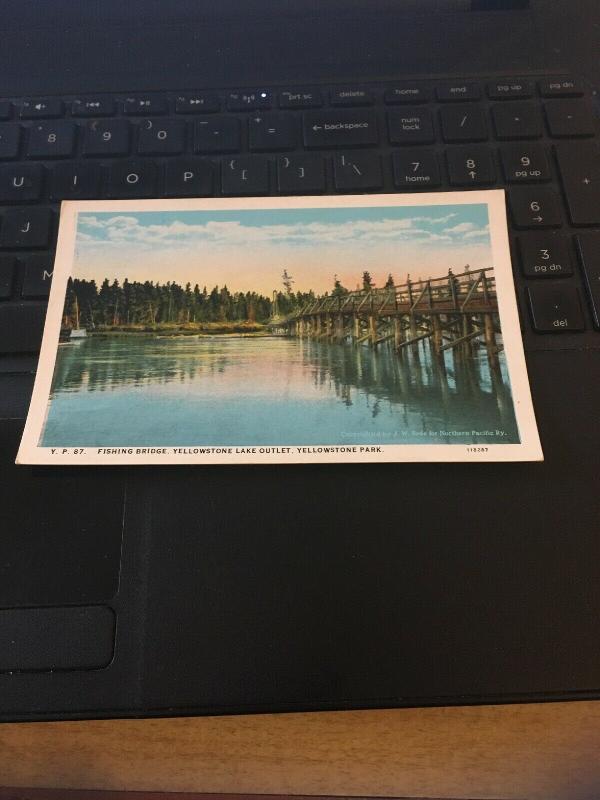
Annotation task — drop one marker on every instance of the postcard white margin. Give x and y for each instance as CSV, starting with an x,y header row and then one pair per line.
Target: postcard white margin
x,y
529,448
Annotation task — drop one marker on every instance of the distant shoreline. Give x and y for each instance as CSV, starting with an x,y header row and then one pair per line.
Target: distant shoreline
x,y
183,329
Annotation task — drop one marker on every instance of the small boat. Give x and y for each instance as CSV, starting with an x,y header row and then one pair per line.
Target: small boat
x,y
78,333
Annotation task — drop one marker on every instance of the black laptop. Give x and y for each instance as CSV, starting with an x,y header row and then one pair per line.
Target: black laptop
x,y
207,590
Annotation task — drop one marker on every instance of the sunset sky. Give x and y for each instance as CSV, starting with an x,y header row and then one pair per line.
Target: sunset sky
x,y
248,249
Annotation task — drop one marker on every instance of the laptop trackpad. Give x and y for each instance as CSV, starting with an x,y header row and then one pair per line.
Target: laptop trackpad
x,y
61,530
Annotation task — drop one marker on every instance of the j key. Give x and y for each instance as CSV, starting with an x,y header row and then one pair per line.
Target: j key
x,y
200,103
517,121
51,140
21,326
93,107
305,98
555,309
217,135
139,106
75,182
344,127
569,118
410,126
588,245
248,175
42,108
303,174
415,169
25,228
525,163
463,124
406,93
509,89
249,101
132,179
270,132
545,255
21,183
189,177
37,275
351,96
356,171
470,166
107,138
7,274
10,138
535,208
451,92
579,166
161,137
5,109
560,87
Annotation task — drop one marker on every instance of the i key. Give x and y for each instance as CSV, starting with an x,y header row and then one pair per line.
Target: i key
x,y
75,182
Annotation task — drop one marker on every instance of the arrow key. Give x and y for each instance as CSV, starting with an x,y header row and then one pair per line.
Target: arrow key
x,y
535,208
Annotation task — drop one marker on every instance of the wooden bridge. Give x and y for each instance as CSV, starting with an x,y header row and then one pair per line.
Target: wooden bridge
x,y
451,312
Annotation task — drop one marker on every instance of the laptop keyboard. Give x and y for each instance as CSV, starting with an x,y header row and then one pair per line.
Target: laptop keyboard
x,y
537,138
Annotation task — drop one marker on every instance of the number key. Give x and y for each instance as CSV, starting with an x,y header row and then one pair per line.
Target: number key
x,y
470,166
159,137
535,208
107,138
525,163
414,169
51,140
545,255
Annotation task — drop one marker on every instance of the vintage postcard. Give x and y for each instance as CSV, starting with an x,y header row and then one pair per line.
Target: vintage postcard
x,y
313,329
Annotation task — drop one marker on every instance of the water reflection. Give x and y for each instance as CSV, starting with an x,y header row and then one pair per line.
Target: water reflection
x,y
272,390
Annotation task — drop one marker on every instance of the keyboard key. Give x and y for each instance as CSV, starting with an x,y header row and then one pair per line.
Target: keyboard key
x,y
107,138
7,275
305,98
189,177
42,108
357,171
560,87
304,174
545,255
132,179
415,169
351,96
161,137
217,135
5,109
555,309
525,163
151,105
510,89
51,140
588,246
249,101
569,118
536,207
26,228
406,93
344,127
10,138
21,183
517,121
93,107
75,182
470,166
452,92
248,175
21,327
270,132
579,167
463,124
410,126
197,103
37,275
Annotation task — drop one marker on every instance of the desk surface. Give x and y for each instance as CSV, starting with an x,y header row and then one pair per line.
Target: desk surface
x,y
548,751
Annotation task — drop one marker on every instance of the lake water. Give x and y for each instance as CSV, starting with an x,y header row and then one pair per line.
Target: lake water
x,y
227,390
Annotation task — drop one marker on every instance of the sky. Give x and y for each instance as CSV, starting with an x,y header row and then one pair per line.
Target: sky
x,y
248,250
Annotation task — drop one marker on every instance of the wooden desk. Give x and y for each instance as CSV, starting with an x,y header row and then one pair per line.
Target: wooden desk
x,y
547,751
